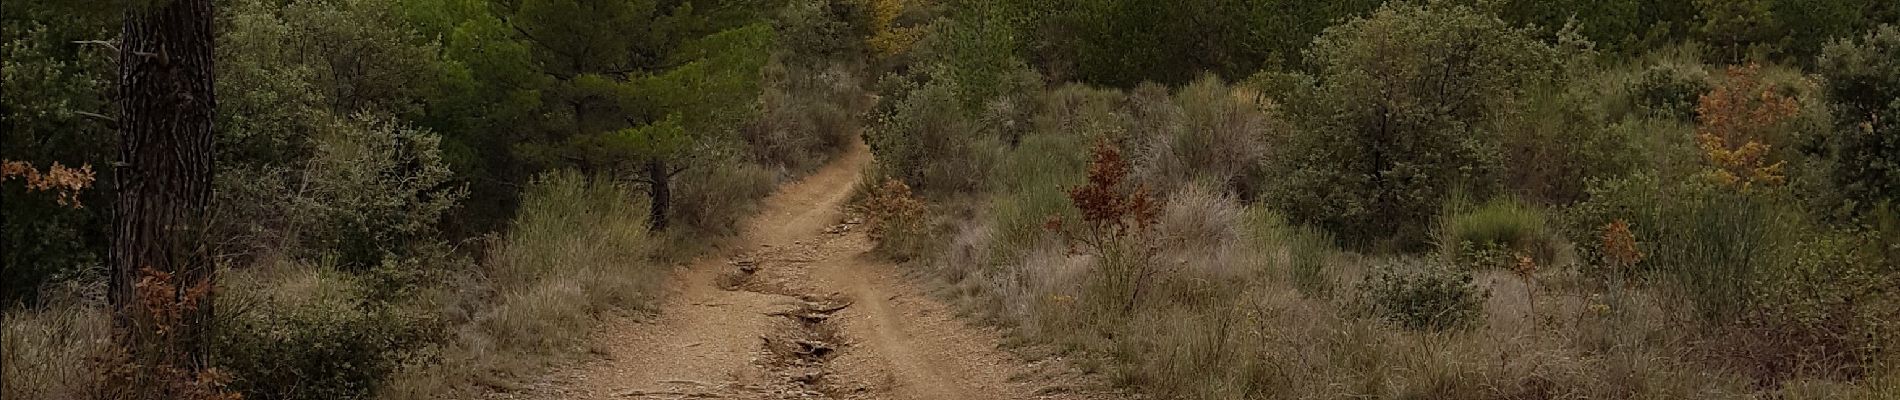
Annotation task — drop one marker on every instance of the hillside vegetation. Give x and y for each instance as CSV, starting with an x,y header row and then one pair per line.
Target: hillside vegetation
x,y
1196,199
1443,200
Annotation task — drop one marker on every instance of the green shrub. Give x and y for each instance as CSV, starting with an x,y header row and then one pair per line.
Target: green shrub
x,y
1826,312
1862,79
1672,90
1716,247
808,114
923,136
577,248
1712,243
369,188
1409,95
1565,134
310,333
571,225
374,187
1082,111
1423,294
814,31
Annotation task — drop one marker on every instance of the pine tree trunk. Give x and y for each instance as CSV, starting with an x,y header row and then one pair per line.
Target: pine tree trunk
x,y
164,179
662,193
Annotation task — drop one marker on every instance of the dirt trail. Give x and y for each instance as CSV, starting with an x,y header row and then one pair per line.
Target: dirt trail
x,y
802,312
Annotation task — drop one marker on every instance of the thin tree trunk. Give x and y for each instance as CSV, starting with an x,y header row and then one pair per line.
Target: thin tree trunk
x,y
163,179
662,193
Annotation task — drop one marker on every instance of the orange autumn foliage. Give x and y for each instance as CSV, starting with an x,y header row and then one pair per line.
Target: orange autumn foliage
x,y
148,364
1733,121
892,207
66,182
1619,247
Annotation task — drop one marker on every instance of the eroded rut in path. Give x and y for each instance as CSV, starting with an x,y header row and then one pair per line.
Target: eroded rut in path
x,y
800,311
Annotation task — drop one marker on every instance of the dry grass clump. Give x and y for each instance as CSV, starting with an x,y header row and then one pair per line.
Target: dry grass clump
x,y
1210,133
577,249
53,352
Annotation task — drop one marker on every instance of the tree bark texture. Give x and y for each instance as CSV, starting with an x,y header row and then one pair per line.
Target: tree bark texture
x,y
164,177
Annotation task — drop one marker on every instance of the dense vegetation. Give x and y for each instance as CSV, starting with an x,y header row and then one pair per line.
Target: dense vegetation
x,y
1472,199
1437,199
414,198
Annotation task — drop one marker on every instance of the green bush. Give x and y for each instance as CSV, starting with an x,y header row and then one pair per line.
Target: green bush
x,y
808,114
925,137
47,82
578,247
310,333
1825,313
570,225
1423,294
814,31
1862,78
1672,90
1713,243
367,189
1409,95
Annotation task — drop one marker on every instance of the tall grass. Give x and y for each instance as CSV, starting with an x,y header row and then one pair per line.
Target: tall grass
x,y
578,248
52,352
1502,224
1302,253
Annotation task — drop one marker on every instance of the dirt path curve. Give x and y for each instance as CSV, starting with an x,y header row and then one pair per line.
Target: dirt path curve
x,y
804,313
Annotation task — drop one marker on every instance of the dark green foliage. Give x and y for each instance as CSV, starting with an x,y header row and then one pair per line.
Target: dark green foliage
x,y
488,90
637,85
317,158
1409,95
53,95
976,52
1621,26
1809,25
1863,81
1424,295
1562,137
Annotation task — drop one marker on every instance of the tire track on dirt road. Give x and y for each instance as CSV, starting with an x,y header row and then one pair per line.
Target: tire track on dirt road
x,y
802,311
